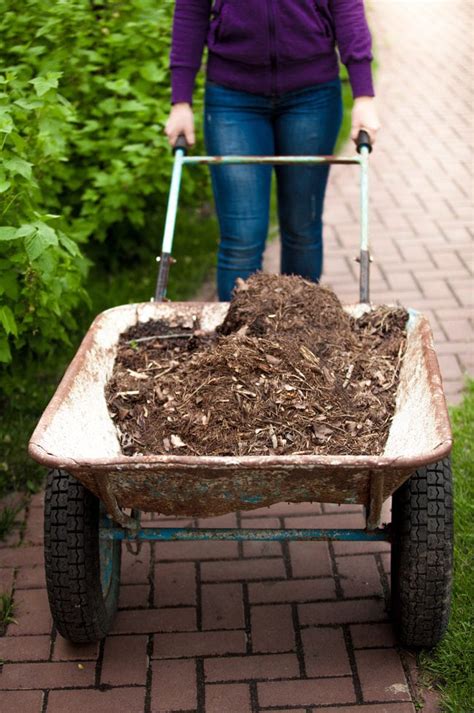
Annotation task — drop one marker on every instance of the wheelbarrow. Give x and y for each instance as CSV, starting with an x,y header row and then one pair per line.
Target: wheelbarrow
x,y
95,494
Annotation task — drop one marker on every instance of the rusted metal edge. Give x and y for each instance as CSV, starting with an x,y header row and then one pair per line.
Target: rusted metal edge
x,y
374,511
147,462
107,495
435,382
130,463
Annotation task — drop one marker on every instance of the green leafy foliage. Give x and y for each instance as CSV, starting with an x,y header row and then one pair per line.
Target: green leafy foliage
x,y
41,265
84,95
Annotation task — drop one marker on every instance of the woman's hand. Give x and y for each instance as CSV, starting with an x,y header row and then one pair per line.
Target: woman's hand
x,y
364,116
180,121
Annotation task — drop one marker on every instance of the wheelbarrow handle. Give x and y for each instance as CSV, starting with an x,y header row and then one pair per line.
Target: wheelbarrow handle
x,y
364,148
165,260
181,143
363,141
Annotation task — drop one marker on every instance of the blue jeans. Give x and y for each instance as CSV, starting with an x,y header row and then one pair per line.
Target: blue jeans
x,y
300,122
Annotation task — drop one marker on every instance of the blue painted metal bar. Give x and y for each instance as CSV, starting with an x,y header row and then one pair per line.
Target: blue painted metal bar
x,y
172,208
167,534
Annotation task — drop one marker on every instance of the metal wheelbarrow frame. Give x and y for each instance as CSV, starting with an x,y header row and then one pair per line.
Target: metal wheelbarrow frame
x,y
77,439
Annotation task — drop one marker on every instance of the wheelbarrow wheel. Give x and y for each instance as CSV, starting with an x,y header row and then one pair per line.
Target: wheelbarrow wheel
x,y
82,577
422,555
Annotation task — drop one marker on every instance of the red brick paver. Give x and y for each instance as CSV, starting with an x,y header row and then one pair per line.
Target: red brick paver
x,y
255,627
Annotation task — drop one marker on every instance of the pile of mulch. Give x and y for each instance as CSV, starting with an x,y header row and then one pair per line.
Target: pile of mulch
x,y
287,372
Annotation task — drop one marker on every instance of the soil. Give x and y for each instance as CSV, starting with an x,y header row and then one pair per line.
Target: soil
x,y
287,372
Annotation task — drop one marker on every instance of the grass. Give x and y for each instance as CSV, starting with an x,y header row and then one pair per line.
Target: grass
x,y
450,667
7,521
7,611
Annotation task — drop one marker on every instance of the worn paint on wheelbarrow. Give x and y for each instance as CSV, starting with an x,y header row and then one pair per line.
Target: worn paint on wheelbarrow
x,y
183,534
76,433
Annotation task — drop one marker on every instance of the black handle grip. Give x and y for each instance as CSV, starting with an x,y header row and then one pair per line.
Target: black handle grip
x,y
181,143
363,139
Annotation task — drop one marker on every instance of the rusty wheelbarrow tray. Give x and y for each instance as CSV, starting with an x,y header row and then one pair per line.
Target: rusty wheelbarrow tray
x,y
77,434
92,483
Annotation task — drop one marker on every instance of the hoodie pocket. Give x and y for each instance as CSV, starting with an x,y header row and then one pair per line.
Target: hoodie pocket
x,y
238,32
325,18
304,29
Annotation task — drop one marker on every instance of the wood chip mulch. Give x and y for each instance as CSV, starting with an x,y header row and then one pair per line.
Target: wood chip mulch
x,y
288,372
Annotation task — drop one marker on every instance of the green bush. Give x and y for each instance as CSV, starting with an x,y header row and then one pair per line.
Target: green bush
x,y
84,97
41,266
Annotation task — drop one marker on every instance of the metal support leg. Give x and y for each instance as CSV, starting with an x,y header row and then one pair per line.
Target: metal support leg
x,y
376,501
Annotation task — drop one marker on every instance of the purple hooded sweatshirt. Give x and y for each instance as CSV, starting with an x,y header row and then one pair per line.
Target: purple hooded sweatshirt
x,y
270,47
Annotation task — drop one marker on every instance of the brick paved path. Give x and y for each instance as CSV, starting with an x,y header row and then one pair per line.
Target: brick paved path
x,y
228,628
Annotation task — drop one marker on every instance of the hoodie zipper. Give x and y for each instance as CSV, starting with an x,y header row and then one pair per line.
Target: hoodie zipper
x,y
273,55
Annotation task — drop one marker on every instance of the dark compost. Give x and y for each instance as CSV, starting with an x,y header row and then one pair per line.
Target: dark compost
x,y
287,372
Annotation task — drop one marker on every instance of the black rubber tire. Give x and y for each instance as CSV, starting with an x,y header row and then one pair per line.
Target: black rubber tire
x,y
80,611
422,555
